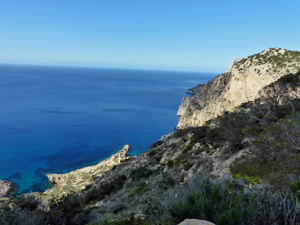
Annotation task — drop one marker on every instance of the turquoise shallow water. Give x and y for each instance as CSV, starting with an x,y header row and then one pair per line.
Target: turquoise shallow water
x,y
57,119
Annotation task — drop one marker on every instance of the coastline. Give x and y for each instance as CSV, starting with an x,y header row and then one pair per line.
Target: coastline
x,y
63,184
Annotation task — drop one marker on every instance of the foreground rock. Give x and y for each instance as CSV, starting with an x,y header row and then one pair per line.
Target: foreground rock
x,y
241,83
5,188
195,222
79,179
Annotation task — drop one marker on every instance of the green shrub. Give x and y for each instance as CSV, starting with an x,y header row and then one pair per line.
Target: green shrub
x,y
152,153
295,189
214,203
129,221
156,144
140,172
274,155
140,189
168,179
170,163
27,202
105,189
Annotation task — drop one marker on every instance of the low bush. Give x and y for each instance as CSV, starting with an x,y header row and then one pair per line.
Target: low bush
x,y
140,189
105,189
139,173
212,202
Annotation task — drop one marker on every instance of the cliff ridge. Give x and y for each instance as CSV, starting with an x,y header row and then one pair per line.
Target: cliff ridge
x,y
242,83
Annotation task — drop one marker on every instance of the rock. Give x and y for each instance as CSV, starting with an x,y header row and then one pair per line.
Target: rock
x,y
98,204
189,175
79,179
196,89
243,82
195,222
163,159
233,63
196,146
5,188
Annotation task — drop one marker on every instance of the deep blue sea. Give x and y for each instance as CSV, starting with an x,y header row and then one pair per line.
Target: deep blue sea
x,y
57,119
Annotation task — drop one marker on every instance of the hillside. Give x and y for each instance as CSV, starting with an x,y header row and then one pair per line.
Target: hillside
x,y
237,166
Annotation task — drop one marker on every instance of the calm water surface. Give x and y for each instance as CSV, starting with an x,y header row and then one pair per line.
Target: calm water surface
x,y
57,119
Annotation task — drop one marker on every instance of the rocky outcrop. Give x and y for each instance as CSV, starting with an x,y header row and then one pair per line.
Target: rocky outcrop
x,y
196,89
5,188
242,82
195,222
79,179
233,63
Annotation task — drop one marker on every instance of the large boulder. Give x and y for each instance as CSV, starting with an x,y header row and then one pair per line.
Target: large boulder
x,y
195,222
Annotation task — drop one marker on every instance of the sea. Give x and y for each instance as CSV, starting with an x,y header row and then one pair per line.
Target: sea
x,y
58,119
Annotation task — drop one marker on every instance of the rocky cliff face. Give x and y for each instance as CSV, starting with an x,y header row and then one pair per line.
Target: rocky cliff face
x,y
242,82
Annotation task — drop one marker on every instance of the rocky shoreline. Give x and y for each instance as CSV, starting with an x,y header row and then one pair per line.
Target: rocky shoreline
x,y
79,179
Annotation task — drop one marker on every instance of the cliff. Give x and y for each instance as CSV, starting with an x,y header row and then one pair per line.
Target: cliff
x,y
242,83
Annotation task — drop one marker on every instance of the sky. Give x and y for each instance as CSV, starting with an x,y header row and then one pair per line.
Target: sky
x,y
185,35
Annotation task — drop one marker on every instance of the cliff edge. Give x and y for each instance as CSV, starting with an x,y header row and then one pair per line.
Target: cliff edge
x,y
242,83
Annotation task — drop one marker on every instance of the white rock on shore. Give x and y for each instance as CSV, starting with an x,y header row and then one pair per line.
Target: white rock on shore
x,y
5,188
79,179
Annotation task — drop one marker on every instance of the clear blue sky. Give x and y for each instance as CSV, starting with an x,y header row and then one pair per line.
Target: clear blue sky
x,y
191,35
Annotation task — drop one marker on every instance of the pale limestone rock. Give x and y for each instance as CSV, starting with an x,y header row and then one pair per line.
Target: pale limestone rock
x,y
233,63
196,146
163,159
195,222
221,166
188,176
5,188
79,179
184,110
98,204
176,155
243,83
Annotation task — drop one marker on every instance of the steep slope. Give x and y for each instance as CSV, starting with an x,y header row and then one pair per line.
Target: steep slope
x,y
242,82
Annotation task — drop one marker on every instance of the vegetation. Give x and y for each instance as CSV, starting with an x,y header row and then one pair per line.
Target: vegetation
x,y
276,56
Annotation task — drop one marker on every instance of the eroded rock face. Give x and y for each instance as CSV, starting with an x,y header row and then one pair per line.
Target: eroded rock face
x,y
242,82
5,188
